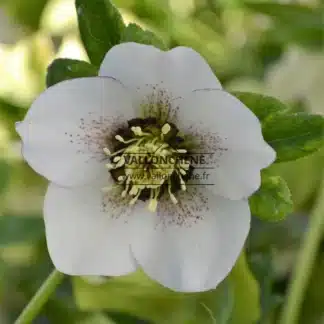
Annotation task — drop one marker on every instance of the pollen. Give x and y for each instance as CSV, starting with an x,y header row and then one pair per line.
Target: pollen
x,y
146,163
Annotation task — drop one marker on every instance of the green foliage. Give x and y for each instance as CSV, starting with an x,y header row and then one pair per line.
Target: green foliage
x,y
138,295
4,175
264,107
101,26
295,135
134,33
14,229
296,23
303,177
314,298
66,69
272,202
97,319
28,12
246,308
262,266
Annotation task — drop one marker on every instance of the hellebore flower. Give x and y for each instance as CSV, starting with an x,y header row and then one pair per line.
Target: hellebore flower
x,y
127,188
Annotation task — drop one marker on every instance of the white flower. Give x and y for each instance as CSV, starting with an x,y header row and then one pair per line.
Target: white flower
x,y
86,137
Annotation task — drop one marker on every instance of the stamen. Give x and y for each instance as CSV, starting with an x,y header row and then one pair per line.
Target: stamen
x,y
109,166
133,201
116,158
118,152
124,193
181,151
165,129
120,139
121,178
120,163
163,146
172,196
106,151
136,130
134,191
152,206
183,185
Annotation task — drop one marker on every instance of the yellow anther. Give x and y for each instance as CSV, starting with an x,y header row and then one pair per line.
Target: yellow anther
x,y
106,151
134,191
120,163
121,178
119,138
133,201
181,151
116,158
166,129
109,166
137,130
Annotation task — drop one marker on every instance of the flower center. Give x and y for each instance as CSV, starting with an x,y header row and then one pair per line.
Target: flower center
x,y
149,160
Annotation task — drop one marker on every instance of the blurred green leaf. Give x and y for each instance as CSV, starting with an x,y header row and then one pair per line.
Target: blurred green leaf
x,y
276,235
312,310
154,12
14,229
66,69
289,13
262,267
11,111
295,135
272,202
97,319
28,12
4,176
264,107
101,26
134,33
140,296
297,23
303,177
246,308
123,318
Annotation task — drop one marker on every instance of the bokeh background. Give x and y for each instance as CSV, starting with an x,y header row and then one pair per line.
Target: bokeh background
x,y
275,48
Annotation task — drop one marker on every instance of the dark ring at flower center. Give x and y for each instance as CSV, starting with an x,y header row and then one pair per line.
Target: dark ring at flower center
x,y
149,160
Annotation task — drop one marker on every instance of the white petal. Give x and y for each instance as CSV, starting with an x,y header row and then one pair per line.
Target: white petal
x,y
84,238
142,67
68,125
229,138
193,245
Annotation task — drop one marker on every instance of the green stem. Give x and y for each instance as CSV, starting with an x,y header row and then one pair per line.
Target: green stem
x,y
42,295
305,262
